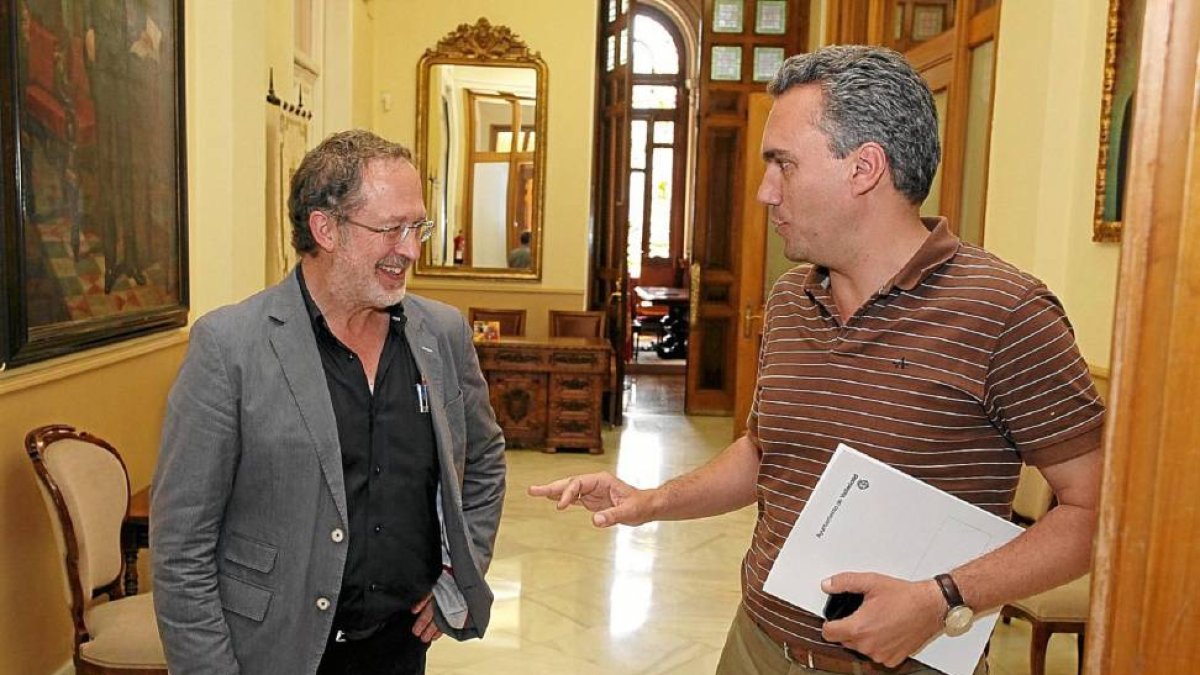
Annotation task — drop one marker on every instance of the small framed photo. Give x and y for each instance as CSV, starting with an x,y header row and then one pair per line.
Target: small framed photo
x,y
771,17
727,16
928,22
767,61
726,63
486,331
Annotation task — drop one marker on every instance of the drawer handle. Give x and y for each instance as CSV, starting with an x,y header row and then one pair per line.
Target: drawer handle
x,y
574,383
574,426
516,357
575,359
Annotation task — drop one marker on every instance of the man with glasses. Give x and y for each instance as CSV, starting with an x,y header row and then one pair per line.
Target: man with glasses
x,y
331,472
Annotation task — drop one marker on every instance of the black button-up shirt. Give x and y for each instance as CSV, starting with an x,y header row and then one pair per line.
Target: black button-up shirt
x,y
390,469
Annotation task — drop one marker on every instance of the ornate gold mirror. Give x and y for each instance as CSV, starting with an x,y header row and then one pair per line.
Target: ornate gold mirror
x,y
481,146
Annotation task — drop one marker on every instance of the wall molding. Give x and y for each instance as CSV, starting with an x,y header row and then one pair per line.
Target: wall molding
x,y
38,374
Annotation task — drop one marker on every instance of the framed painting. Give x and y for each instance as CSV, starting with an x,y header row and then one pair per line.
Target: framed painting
x,y
93,213
1125,18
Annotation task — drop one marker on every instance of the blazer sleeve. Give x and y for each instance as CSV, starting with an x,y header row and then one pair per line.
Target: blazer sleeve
x,y
192,483
483,475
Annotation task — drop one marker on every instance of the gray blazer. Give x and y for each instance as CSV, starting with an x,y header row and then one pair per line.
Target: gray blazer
x,y
249,526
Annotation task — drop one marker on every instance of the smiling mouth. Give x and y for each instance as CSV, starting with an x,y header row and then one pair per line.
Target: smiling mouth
x,y
395,270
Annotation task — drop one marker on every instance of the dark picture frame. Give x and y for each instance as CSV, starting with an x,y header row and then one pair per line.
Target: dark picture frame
x,y
93,174
1125,20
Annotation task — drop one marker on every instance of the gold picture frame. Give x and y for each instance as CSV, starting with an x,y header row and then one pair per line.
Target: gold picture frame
x,y
1116,116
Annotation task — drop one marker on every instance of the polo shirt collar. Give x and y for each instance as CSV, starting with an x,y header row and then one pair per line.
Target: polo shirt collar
x,y
939,247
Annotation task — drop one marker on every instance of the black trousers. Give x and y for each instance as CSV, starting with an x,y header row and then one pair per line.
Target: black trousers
x,y
393,650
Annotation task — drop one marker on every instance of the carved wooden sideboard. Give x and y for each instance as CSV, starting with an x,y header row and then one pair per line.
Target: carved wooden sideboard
x,y
547,392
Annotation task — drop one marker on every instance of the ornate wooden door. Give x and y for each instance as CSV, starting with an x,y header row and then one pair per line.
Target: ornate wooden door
x,y
607,289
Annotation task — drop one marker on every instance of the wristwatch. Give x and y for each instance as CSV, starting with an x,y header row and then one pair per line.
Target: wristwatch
x,y
958,615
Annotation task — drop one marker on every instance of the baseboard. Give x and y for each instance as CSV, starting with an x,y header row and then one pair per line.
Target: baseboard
x,y
67,669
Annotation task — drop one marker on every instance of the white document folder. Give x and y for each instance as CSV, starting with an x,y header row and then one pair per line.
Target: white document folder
x,y
865,516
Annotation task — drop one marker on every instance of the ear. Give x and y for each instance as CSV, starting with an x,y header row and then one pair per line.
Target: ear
x,y
870,165
323,229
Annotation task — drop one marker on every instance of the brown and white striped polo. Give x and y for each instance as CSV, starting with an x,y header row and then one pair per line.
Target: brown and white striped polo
x,y
956,371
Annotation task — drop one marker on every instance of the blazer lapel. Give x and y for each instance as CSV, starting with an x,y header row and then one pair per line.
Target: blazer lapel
x,y
424,347
296,348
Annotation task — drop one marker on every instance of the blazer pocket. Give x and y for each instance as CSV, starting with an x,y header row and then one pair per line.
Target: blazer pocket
x,y
243,598
251,554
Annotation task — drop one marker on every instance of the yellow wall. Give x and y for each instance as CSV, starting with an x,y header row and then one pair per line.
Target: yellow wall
x,y
364,65
565,34
118,395
119,392
1045,136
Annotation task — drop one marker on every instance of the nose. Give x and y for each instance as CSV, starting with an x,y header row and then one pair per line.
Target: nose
x,y
768,188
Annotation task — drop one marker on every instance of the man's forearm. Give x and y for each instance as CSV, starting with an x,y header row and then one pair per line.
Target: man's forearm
x,y
1055,550
724,484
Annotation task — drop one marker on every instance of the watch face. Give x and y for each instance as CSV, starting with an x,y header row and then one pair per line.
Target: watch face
x,y
958,620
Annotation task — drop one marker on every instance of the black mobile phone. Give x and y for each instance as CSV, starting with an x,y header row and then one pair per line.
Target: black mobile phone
x,y
842,605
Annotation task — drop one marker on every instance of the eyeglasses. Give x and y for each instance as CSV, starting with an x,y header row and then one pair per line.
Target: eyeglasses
x,y
395,233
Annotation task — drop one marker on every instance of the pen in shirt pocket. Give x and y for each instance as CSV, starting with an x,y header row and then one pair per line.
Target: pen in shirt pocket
x,y
423,396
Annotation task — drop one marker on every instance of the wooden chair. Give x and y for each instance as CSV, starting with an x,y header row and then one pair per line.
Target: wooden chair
x,y
86,489
512,321
1058,610
576,324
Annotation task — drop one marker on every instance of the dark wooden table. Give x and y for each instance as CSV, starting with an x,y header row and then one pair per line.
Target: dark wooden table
x,y
135,535
673,344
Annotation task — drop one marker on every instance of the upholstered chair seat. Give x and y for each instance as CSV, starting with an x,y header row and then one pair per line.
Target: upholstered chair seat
x,y
123,634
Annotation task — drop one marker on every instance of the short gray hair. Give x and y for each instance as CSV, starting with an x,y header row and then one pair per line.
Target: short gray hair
x,y
330,176
872,94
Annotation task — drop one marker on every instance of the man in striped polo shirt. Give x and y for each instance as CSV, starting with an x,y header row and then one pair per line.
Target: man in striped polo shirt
x,y
898,339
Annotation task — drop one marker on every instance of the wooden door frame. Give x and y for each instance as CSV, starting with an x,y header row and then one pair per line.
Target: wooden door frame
x,y
608,277
1144,615
753,266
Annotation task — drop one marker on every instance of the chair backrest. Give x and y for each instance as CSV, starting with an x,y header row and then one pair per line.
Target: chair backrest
x,y
1033,496
658,272
86,490
512,321
576,324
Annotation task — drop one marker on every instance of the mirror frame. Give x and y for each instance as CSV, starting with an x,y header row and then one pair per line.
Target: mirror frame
x,y
483,44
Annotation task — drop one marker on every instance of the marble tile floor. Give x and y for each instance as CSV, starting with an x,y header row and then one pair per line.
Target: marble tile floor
x,y
654,600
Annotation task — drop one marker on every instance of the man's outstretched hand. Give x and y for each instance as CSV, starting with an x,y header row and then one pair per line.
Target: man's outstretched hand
x,y
612,500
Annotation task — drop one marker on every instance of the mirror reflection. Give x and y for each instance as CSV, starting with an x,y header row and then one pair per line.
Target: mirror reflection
x,y
481,129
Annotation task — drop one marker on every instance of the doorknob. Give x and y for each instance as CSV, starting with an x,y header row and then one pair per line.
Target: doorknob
x,y
748,315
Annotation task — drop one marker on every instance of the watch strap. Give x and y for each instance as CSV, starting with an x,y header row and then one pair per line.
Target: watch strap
x,y
950,591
